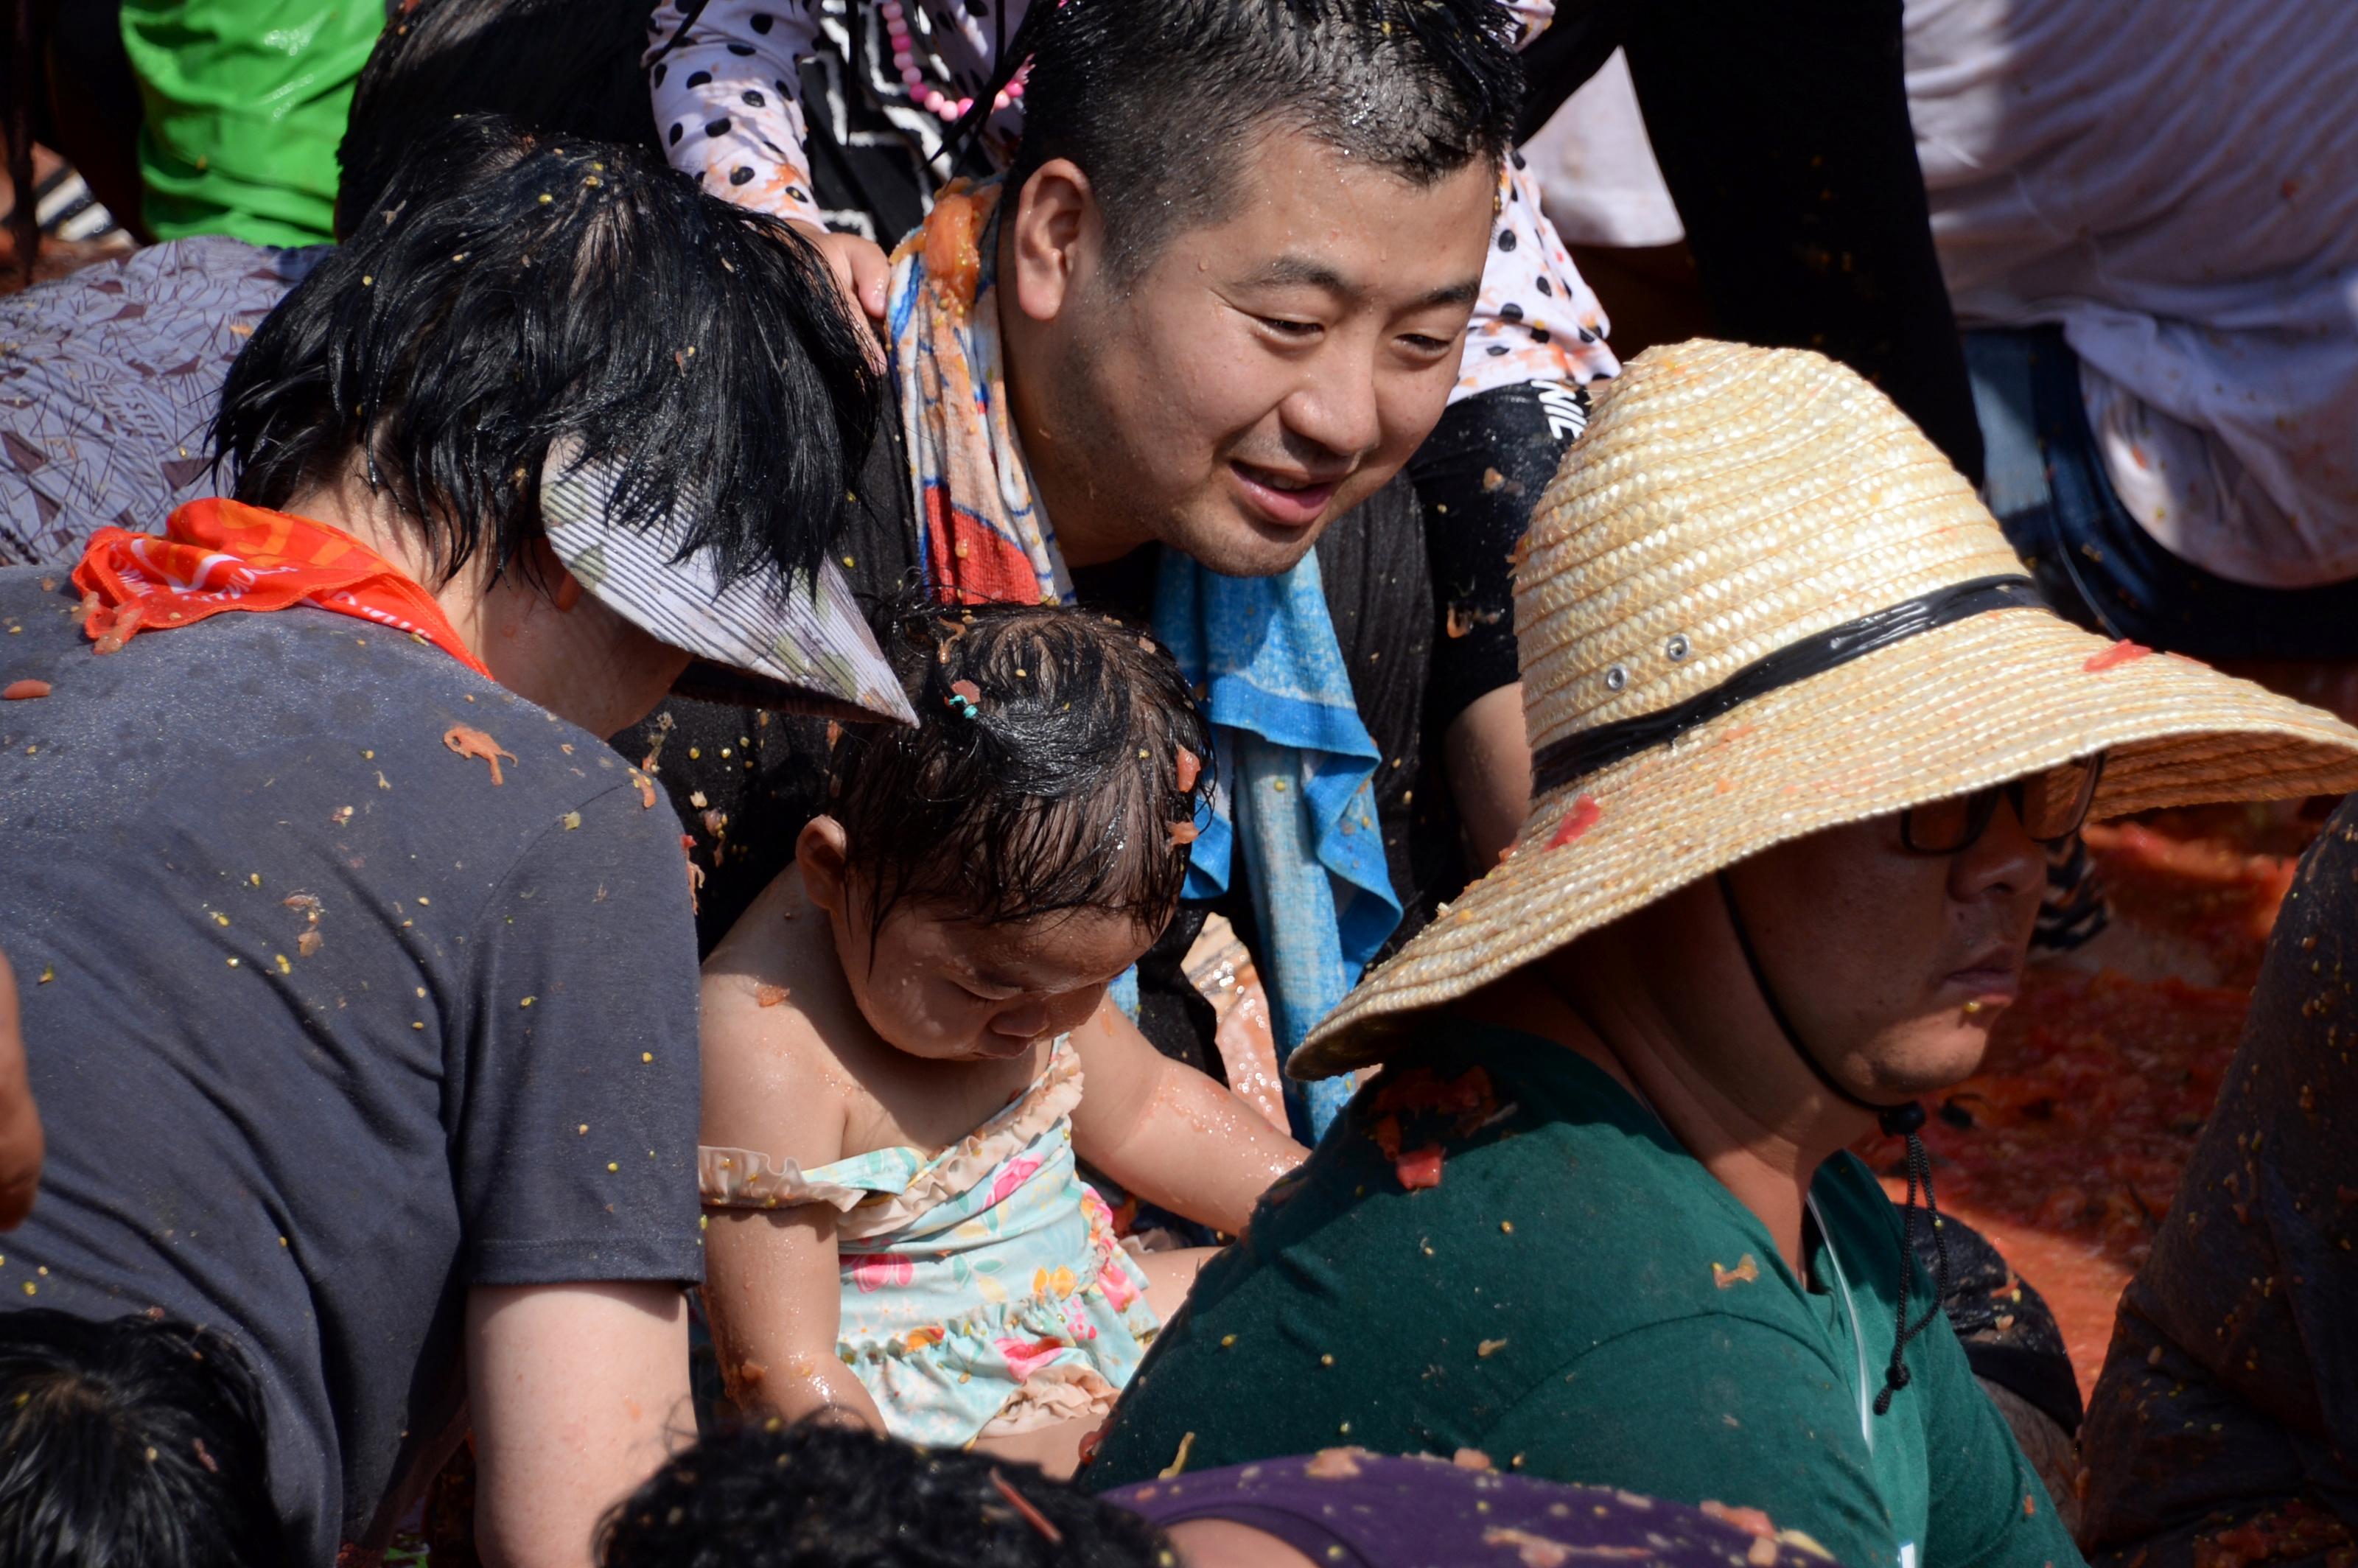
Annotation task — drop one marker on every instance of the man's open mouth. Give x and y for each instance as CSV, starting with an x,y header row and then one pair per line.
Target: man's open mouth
x,y
1288,500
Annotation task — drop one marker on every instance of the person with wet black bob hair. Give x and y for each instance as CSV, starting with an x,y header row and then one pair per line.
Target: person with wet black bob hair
x,y
741,408
551,433
1044,799
821,1494
135,1440
1158,103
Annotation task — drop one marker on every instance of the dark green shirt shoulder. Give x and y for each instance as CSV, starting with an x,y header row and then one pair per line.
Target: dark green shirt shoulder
x,y
1577,1297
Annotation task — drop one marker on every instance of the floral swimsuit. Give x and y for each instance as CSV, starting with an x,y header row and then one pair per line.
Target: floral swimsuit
x,y
984,1290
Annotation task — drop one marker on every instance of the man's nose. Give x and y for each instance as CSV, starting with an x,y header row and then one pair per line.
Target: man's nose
x,y
2005,860
1337,410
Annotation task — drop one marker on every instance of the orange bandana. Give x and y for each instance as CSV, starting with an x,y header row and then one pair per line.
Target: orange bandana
x,y
217,555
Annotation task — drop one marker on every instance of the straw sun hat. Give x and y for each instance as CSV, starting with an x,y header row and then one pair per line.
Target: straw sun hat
x,y
1756,603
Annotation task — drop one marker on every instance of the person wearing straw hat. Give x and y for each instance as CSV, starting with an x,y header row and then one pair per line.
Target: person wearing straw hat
x,y
1800,727
360,983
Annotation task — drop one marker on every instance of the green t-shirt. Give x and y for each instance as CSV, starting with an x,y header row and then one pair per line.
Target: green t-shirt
x,y
244,103
1579,1299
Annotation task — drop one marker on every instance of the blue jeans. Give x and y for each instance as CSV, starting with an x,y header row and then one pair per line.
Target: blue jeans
x,y
2093,562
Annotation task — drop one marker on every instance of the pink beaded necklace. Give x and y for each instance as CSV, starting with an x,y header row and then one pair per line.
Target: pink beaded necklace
x,y
923,93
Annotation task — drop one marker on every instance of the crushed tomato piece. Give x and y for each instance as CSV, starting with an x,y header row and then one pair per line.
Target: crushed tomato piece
x,y
467,742
1751,1521
24,690
1745,1272
1334,1464
1419,1168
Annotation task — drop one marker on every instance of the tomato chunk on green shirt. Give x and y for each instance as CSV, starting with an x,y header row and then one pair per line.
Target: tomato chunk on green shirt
x,y
1579,1299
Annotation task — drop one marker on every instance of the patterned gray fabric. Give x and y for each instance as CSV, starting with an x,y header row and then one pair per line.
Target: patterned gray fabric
x,y
108,380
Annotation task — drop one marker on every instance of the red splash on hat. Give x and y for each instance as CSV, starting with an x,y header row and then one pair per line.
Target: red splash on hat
x,y
1577,821
2120,652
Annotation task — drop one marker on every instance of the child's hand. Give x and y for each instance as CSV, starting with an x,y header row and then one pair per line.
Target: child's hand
x,y
860,267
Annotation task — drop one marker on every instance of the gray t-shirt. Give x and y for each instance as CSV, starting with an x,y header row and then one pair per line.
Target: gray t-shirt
x,y
325,1026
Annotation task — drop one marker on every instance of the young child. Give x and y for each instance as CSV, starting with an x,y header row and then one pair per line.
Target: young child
x,y
898,1034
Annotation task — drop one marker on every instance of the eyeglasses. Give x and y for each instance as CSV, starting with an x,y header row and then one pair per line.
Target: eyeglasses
x,y
2050,805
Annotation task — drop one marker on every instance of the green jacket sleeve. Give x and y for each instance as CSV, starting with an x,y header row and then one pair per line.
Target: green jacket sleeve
x,y
1715,1408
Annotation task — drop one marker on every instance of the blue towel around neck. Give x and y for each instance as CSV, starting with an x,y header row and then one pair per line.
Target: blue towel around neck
x,y
1296,792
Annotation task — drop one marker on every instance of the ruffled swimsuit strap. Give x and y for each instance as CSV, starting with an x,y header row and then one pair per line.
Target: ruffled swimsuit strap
x,y
886,1189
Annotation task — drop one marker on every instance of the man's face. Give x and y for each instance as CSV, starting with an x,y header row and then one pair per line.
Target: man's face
x,y
1891,966
1261,375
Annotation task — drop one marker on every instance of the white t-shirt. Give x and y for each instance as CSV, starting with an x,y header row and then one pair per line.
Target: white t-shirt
x,y
2176,183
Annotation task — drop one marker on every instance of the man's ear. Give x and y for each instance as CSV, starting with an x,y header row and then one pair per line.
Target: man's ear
x,y
1055,234
819,852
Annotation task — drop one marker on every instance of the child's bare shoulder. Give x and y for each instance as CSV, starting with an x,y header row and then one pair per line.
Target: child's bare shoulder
x,y
772,999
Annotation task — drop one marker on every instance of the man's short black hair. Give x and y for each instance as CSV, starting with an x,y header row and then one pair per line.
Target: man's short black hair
x,y
825,1495
134,1440
508,291
1157,99
549,65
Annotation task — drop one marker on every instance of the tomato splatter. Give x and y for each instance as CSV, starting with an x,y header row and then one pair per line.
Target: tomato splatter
x,y
1181,833
1577,821
470,742
1190,767
1745,1272
953,252
24,690
2120,652
770,996
1334,1464
1419,1168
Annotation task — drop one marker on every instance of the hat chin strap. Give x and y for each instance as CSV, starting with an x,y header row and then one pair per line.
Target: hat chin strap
x,y
1901,1120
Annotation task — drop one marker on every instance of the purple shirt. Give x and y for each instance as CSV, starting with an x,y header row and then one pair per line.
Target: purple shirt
x,y
109,377
1358,1509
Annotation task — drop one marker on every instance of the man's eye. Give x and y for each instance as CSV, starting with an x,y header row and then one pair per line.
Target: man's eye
x,y
1420,343
1286,329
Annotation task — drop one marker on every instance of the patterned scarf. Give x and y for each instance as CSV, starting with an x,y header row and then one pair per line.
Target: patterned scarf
x,y
217,555
1297,763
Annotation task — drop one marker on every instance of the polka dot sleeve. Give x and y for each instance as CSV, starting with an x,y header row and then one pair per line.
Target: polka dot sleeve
x,y
1536,320
725,110
725,104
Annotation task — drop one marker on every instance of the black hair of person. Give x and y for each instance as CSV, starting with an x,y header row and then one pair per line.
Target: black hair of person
x,y
130,1440
822,1493
510,291
1158,102
1061,790
549,65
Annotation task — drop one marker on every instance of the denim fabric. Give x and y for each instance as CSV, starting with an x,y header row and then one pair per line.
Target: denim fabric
x,y
2093,562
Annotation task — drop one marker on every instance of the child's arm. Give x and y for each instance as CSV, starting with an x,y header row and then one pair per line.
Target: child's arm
x,y
1168,1134
772,1283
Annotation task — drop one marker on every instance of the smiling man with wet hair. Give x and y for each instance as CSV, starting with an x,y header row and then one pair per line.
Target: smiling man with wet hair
x,y
1171,366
